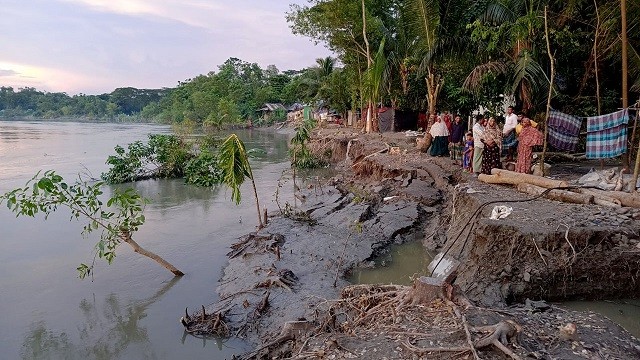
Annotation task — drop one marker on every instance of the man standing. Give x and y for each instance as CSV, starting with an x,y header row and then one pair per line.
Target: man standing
x,y
509,141
478,146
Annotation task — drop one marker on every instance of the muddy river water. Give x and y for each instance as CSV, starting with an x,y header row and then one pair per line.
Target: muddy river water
x,y
129,310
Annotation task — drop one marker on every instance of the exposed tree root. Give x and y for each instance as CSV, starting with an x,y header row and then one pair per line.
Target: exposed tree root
x,y
284,278
422,351
500,335
262,243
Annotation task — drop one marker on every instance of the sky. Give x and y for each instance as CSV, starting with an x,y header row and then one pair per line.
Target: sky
x,y
96,46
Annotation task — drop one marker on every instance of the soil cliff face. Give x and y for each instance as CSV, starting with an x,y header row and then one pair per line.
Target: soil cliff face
x,y
543,250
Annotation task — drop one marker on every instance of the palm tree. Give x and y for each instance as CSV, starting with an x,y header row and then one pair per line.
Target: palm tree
x,y
374,78
437,27
516,57
235,166
325,66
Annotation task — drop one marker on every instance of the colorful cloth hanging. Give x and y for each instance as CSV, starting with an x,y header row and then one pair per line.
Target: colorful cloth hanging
x,y
607,135
564,130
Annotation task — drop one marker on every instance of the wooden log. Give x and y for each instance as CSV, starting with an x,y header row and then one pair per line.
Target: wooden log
x,y
558,195
500,176
600,198
497,179
625,199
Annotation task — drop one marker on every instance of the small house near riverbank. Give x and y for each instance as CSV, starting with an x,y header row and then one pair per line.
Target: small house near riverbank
x,y
269,110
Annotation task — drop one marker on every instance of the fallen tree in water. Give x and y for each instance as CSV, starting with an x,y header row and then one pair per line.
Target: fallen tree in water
x,y
116,220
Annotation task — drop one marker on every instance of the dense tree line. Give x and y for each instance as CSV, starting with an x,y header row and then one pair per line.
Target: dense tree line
x,y
122,104
232,95
456,55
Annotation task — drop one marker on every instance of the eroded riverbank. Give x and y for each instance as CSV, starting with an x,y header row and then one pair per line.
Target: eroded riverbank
x,y
292,271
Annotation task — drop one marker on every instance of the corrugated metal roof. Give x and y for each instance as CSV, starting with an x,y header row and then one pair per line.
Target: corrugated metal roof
x,y
272,107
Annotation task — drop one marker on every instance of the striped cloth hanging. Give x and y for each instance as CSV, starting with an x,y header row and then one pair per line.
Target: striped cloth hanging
x,y
607,135
564,130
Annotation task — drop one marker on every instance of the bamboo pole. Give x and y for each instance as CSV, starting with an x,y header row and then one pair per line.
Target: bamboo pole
x,y
625,67
595,55
636,168
546,121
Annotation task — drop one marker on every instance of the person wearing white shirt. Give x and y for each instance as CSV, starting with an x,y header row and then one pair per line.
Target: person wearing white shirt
x,y
478,146
440,134
509,141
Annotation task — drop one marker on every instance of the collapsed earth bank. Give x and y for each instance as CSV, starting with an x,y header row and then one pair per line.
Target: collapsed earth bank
x,y
284,288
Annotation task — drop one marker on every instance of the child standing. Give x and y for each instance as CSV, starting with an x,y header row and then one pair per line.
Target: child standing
x,y
467,157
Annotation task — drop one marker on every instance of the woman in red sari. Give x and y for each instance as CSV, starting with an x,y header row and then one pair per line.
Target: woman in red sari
x,y
528,138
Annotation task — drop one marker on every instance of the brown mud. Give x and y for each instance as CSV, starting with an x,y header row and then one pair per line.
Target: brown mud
x,y
284,289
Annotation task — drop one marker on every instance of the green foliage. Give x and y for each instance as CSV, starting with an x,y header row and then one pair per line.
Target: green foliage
x,y
234,164
165,156
120,217
170,155
203,170
128,165
301,156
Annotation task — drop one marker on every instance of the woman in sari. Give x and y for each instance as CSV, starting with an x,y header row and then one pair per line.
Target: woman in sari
x,y
492,140
528,138
440,134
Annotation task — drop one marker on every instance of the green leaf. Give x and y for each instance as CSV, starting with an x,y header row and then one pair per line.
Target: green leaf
x,y
45,184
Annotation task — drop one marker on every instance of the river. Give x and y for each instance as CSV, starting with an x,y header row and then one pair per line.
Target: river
x,y
130,309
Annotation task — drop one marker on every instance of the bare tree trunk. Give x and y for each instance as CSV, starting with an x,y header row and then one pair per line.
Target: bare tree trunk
x,y
255,194
369,124
126,237
433,90
553,71
499,176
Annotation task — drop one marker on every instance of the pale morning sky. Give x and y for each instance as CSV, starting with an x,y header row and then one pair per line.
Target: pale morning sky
x,y
95,46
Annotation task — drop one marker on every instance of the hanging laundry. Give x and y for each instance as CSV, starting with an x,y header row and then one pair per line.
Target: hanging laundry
x,y
564,130
607,135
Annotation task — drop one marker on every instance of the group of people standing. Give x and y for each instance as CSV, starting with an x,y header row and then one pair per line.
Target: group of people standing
x,y
519,133
482,148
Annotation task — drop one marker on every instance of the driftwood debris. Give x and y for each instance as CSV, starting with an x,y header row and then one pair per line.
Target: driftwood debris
x,y
291,330
205,324
499,176
283,278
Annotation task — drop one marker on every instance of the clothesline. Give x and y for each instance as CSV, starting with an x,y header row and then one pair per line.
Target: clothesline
x,y
606,134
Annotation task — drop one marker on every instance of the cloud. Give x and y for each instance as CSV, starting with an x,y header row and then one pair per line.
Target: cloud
x,y
104,44
8,72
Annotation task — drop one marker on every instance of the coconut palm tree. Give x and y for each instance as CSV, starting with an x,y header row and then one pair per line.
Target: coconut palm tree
x,y
512,52
437,27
